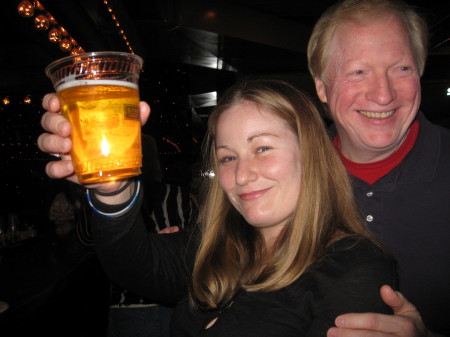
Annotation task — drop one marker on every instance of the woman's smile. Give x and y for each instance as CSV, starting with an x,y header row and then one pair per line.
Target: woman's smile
x,y
253,195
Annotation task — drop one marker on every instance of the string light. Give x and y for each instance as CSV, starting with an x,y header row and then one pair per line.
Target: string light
x,y
65,45
54,35
43,21
118,25
26,9
27,99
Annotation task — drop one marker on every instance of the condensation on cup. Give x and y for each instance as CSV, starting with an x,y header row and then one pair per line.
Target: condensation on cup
x,y
100,97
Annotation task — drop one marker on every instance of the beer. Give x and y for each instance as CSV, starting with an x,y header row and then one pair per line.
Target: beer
x,y
100,98
106,129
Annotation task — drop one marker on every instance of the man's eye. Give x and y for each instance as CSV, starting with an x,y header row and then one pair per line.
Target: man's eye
x,y
405,68
358,72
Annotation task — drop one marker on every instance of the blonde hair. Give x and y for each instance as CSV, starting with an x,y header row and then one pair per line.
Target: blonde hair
x,y
232,255
364,11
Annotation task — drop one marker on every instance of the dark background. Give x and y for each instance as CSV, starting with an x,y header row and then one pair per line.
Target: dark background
x,y
192,51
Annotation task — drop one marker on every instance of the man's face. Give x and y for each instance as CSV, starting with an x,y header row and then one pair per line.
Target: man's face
x,y
372,87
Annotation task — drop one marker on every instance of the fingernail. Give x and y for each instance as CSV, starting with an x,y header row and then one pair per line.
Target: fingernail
x,y
66,143
69,167
60,127
340,321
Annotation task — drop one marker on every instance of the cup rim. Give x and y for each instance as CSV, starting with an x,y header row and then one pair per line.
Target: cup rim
x,y
92,54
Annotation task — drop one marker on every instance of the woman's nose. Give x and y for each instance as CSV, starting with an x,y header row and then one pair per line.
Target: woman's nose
x,y
246,171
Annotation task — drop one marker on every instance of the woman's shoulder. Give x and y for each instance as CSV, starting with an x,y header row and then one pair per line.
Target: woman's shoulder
x,y
346,279
348,260
355,255
355,247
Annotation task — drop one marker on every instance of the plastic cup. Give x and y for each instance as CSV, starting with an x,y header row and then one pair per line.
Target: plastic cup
x,y
100,97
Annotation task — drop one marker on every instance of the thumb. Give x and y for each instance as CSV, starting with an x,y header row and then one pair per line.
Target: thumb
x,y
144,110
395,300
402,307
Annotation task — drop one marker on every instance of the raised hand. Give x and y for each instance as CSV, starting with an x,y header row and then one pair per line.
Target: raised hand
x,y
56,140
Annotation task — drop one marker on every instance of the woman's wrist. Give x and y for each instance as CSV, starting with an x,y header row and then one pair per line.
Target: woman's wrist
x,y
120,196
113,206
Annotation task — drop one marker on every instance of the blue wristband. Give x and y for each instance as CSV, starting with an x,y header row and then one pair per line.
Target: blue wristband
x,y
121,212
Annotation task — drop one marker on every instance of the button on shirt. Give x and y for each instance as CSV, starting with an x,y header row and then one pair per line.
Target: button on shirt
x,y
369,217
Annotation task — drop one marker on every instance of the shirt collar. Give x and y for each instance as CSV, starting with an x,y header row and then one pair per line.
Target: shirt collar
x,y
421,162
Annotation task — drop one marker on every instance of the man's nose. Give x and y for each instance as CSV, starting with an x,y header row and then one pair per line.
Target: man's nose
x,y
381,90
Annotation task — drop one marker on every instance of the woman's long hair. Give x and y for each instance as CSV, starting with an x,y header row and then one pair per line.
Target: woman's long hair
x,y
232,255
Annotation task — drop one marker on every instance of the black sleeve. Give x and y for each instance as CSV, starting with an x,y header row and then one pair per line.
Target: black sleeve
x,y
350,287
154,266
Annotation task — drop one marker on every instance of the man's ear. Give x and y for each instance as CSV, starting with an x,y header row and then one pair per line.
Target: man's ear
x,y
320,89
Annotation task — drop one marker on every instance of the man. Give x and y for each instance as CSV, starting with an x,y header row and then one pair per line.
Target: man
x,y
366,58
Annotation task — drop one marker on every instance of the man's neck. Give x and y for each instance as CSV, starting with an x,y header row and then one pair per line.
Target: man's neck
x,y
364,155
375,168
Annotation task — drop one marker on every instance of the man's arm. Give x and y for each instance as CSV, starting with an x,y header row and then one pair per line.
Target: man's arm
x,y
406,321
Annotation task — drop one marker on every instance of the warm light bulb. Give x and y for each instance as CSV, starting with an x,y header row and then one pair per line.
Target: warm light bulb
x,y
41,22
77,50
25,9
54,35
27,99
6,100
65,45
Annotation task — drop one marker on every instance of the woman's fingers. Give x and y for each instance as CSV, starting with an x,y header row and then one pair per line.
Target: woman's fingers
x,y
55,123
50,102
61,169
54,144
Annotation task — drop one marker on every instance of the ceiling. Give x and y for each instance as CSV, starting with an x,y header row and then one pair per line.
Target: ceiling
x,y
237,36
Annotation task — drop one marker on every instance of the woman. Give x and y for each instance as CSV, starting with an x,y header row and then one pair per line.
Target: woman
x,y
280,250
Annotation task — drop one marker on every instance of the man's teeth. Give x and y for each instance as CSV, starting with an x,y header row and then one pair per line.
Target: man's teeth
x,y
369,114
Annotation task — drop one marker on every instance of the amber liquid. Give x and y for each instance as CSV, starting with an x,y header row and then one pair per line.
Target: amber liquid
x,y
106,129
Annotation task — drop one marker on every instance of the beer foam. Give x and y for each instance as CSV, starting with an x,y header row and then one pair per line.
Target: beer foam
x,y
96,82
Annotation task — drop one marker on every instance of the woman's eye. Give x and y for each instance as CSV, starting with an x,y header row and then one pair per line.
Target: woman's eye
x,y
226,159
262,149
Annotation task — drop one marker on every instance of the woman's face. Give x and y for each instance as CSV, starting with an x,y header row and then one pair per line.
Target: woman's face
x,y
259,166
